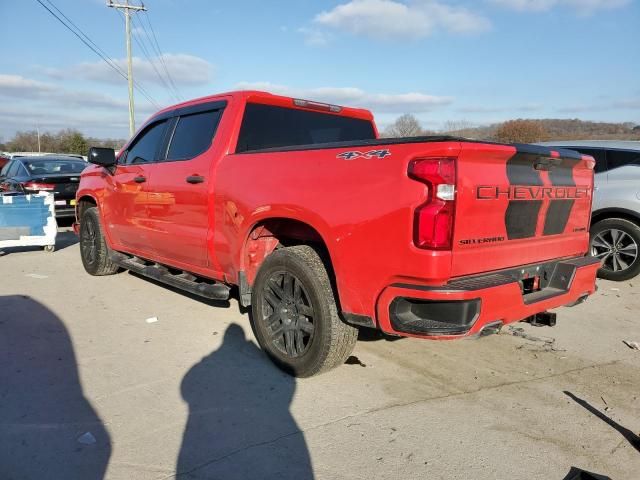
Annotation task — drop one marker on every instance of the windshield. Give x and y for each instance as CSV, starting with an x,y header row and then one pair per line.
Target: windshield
x,y
54,166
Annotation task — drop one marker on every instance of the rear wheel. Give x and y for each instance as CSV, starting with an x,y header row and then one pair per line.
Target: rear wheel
x,y
93,247
295,316
616,242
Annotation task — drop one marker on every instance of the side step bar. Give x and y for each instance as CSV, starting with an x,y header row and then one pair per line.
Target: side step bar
x,y
183,281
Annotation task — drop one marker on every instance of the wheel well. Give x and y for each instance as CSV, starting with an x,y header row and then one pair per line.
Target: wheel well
x,y
271,234
615,213
83,204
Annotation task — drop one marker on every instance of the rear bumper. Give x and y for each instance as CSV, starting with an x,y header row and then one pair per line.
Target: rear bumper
x,y
464,307
65,212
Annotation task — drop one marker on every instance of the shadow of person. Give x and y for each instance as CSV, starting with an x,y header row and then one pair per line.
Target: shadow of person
x,y
239,423
48,429
628,435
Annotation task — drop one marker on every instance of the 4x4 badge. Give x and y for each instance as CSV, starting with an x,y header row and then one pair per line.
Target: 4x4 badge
x,y
370,154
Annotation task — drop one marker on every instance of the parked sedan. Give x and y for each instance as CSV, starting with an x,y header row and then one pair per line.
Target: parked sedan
x,y
59,175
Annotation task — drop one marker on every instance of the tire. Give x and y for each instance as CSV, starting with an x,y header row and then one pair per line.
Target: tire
x,y
616,241
292,293
49,248
93,247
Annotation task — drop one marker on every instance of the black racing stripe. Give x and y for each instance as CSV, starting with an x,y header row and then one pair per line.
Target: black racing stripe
x,y
561,175
520,170
521,218
557,216
559,211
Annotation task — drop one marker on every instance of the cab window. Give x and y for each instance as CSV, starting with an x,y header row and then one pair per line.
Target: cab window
x,y
267,126
193,135
146,148
621,158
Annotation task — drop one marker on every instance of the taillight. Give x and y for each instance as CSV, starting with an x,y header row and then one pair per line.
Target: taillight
x,y
316,105
589,162
433,227
37,187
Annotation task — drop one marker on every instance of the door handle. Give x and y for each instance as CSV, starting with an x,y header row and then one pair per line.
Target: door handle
x,y
140,179
195,179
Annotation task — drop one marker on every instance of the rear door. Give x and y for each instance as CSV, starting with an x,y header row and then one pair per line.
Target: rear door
x,y
517,205
179,190
125,202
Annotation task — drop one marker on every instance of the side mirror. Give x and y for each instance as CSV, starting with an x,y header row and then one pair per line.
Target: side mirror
x,y
105,157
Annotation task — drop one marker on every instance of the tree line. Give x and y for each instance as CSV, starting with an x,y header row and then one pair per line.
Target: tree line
x,y
519,130
512,131
63,141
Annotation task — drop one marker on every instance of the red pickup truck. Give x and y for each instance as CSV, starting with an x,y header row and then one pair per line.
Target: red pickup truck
x,y
323,227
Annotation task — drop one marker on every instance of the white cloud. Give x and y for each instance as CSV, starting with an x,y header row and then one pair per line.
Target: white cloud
x,y
412,102
621,104
529,107
314,37
395,19
18,85
184,69
583,7
629,103
25,102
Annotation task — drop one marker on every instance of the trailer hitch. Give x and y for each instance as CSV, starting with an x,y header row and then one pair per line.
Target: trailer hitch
x,y
542,319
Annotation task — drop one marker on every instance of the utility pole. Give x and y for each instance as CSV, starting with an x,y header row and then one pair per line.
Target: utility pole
x,y
127,21
38,130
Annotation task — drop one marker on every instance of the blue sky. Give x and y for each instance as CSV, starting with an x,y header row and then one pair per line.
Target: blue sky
x,y
479,61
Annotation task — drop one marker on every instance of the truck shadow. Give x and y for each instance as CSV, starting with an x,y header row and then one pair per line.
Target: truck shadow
x,y
48,429
239,424
375,335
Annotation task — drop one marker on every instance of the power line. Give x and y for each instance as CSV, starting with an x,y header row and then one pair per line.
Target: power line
x,y
159,51
84,38
108,61
145,52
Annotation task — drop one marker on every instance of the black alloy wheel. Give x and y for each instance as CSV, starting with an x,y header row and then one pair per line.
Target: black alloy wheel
x,y
288,314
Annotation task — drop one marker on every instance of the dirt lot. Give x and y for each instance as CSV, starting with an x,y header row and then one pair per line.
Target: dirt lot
x,y
89,388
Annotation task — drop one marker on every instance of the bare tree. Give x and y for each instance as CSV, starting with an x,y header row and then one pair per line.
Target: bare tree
x,y
521,131
405,126
460,128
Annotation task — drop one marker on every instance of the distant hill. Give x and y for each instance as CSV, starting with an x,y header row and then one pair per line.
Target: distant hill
x,y
562,129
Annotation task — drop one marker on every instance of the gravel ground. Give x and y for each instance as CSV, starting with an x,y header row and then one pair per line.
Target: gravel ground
x,y
92,387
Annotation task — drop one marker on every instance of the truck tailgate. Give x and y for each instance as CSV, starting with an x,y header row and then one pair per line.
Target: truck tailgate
x,y
518,205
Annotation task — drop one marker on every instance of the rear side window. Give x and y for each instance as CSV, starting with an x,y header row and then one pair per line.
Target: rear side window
x,y
5,170
193,135
13,170
146,147
54,167
620,158
598,154
267,126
